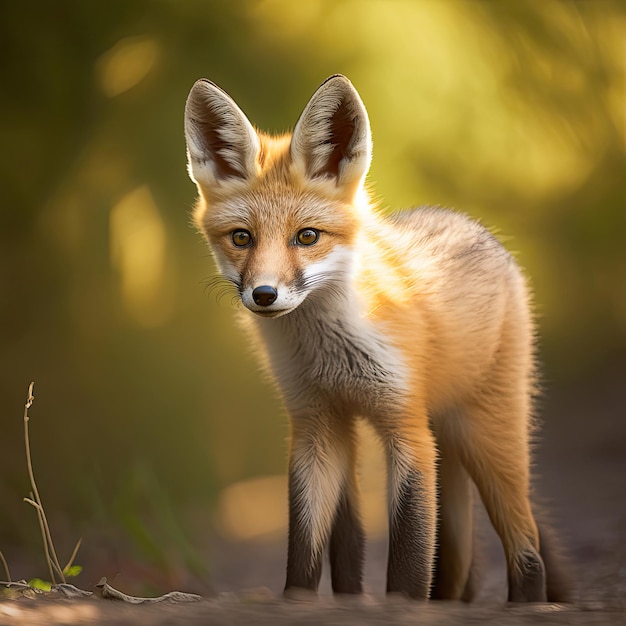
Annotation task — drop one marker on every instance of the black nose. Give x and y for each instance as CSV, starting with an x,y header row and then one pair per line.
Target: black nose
x,y
264,295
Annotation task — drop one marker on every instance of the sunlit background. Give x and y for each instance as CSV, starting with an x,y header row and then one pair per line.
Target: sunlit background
x,y
152,431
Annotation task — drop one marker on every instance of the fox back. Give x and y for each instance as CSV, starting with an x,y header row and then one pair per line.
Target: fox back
x,y
418,322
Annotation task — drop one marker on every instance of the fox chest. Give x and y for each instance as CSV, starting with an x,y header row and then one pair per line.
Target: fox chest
x,y
338,362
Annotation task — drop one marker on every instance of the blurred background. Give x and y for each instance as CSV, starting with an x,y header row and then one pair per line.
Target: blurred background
x,y
152,432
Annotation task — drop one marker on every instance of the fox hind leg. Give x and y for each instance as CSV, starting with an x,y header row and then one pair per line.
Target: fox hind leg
x,y
453,562
495,453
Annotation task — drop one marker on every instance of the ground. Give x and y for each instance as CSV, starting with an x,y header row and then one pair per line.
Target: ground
x,y
581,466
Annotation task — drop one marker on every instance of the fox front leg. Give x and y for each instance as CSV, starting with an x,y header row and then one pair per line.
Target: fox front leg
x,y
412,518
304,556
318,482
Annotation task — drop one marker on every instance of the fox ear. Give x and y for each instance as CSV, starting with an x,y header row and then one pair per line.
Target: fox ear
x,y
221,142
332,137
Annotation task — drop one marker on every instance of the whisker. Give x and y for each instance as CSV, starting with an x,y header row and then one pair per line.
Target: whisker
x,y
220,286
331,279
332,282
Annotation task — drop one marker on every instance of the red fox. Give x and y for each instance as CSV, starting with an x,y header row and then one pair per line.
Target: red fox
x,y
418,323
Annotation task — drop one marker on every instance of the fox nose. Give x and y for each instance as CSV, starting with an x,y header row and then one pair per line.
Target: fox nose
x,y
264,295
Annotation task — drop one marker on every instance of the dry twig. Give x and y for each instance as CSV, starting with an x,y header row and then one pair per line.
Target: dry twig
x,y
20,584
35,500
175,597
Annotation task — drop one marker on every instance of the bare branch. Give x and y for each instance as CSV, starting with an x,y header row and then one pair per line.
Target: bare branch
x,y
53,561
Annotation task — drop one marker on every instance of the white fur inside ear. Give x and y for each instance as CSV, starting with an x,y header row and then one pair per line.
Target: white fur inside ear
x,y
221,142
332,137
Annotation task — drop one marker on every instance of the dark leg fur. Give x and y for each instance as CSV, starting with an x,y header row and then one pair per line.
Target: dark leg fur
x,y
347,548
411,537
527,578
542,576
304,566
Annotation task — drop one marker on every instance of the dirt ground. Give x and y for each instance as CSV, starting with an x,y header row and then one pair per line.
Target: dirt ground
x,y
581,468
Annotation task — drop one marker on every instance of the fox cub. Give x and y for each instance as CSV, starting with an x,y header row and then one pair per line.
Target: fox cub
x,y
418,322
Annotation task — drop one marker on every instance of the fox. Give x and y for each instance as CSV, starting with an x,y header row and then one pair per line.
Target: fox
x,y
418,322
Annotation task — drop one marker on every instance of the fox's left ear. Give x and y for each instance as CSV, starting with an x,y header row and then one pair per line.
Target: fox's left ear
x,y
332,138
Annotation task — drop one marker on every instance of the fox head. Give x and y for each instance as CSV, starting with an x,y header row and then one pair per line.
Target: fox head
x,y
280,213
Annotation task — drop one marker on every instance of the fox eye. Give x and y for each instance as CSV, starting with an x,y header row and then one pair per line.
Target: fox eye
x,y
241,238
307,236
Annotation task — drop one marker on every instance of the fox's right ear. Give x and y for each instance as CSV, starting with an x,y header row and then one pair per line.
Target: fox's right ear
x,y
221,142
